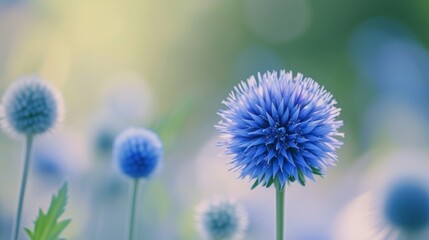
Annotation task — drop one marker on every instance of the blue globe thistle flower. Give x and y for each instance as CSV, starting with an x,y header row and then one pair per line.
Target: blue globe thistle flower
x,y
406,206
31,107
138,152
280,128
221,219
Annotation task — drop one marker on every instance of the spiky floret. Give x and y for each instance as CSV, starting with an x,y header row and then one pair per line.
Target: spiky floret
x,y
30,106
280,128
221,219
138,152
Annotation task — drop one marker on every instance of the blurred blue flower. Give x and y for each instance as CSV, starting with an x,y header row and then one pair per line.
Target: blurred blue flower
x,y
104,127
387,56
392,67
221,219
280,127
60,156
407,206
30,106
48,163
104,139
138,152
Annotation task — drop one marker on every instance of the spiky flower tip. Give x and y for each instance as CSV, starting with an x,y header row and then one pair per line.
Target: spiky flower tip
x,y
221,219
406,206
138,152
30,106
280,128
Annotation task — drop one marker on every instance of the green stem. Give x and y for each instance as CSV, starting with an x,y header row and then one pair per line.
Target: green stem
x,y
133,209
280,196
28,145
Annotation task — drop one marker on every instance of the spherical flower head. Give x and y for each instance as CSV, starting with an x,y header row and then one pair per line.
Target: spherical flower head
x,y
221,219
138,152
30,107
406,206
280,128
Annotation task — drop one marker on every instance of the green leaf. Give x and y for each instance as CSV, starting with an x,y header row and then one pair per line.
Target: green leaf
x,y
29,233
47,225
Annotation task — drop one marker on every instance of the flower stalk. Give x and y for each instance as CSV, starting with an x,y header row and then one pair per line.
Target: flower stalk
x,y
28,147
133,209
280,194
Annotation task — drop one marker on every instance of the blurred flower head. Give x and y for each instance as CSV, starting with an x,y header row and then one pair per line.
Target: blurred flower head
x,y
31,107
391,181
280,128
104,139
103,134
103,128
138,152
388,57
221,219
60,156
406,206
48,163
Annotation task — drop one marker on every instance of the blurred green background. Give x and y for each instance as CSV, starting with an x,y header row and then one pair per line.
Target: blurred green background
x,y
168,65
